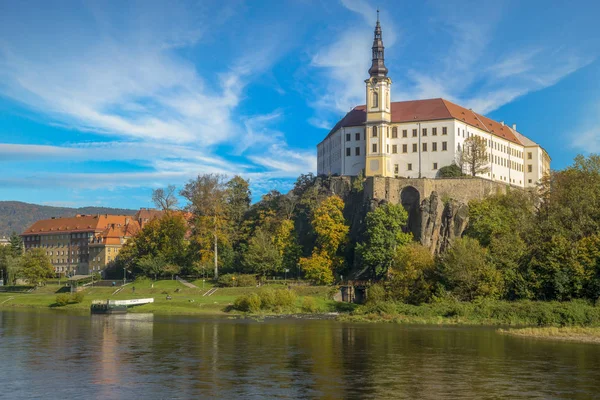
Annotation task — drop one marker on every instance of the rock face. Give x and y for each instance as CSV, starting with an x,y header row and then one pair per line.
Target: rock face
x,y
442,222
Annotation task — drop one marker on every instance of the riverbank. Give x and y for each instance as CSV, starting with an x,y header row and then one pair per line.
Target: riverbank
x,y
487,312
183,300
569,334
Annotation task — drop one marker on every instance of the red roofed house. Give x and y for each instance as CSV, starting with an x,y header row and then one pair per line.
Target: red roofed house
x,y
414,139
82,244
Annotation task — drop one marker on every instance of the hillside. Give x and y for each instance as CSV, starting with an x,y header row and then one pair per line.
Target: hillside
x,y
16,216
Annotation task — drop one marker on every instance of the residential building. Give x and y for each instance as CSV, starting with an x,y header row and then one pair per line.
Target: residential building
x,y
82,244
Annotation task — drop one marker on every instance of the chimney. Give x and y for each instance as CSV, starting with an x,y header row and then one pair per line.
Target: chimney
x,y
502,123
514,127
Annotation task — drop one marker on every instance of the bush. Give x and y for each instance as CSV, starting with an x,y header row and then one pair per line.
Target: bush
x,y
375,294
63,299
77,297
309,305
266,300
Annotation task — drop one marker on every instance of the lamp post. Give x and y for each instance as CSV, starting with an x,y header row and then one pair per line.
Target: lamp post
x,y
124,276
286,271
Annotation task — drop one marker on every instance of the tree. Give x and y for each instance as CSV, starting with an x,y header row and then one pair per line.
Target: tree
x,y
411,278
207,201
237,197
151,265
450,171
36,267
474,157
16,245
383,236
467,272
318,268
165,199
10,265
262,256
163,238
330,226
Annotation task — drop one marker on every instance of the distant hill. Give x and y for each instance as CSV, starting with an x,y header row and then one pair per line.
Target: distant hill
x,y
16,216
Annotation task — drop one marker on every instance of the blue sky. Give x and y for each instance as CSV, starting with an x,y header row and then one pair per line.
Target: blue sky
x,y
100,102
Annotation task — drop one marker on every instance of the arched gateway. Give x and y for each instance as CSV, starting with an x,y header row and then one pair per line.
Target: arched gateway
x,y
410,198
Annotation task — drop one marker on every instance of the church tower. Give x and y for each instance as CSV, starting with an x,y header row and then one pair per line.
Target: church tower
x,y
379,113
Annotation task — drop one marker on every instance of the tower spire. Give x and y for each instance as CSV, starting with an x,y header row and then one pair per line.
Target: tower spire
x,y
378,66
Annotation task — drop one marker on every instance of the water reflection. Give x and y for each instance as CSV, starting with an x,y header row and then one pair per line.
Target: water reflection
x,y
135,356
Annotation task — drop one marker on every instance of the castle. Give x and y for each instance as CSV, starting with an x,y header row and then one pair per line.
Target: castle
x,y
414,139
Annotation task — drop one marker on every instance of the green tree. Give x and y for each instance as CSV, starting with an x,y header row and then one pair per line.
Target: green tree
x,y
151,265
36,267
412,277
330,226
263,256
207,202
10,265
468,273
383,236
16,245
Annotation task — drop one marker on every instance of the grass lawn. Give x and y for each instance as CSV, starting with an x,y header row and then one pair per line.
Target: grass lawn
x,y
184,300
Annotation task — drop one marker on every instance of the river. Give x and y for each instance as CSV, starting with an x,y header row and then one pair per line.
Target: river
x,y
49,355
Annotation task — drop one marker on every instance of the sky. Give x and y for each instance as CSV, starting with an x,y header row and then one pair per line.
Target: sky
x,y
103,101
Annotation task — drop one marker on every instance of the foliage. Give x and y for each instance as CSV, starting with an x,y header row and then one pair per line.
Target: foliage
x,y
309,305
237,280
262,256
330,226
151,265
271,300
10,265
16,245
63,299
318,268
36,267
77,297
384,234
358,182
468,273
412,276
450,171
474,157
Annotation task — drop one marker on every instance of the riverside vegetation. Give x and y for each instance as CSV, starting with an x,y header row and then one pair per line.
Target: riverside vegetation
x,y
526,257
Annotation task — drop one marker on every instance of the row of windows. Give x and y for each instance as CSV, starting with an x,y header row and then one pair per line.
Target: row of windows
x,y
415,147
409,167
56,237
496,145
62,253
424,132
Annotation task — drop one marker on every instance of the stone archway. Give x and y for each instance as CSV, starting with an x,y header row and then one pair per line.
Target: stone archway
x,y
410,198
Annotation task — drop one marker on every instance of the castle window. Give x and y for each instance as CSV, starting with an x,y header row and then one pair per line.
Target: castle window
x,y
529,156
409,167
529,168
357,151
375,100
388,149
348,154
444,146
435,166
434,146
404,133
405,148
414,133
424,146
458,131
396,169
374,131
414,148
444,130
387,132
374,147
394,149
434,131
348,137
357,136
424,132
394,133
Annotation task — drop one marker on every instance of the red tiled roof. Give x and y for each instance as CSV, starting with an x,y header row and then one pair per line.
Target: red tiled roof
x,y
80,223
430,110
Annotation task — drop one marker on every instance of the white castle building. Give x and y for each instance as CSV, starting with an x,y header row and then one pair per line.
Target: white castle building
x,y
414,139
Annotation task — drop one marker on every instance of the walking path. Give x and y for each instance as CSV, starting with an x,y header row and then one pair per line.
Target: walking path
x,y
186,283
210,292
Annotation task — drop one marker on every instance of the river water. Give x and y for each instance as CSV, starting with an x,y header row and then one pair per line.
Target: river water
x,y
49,355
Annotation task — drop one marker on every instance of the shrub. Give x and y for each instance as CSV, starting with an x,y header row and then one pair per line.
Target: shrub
x,y
247,280
62,299
285,299
375,294
267,297
309,305
266,300
77,297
